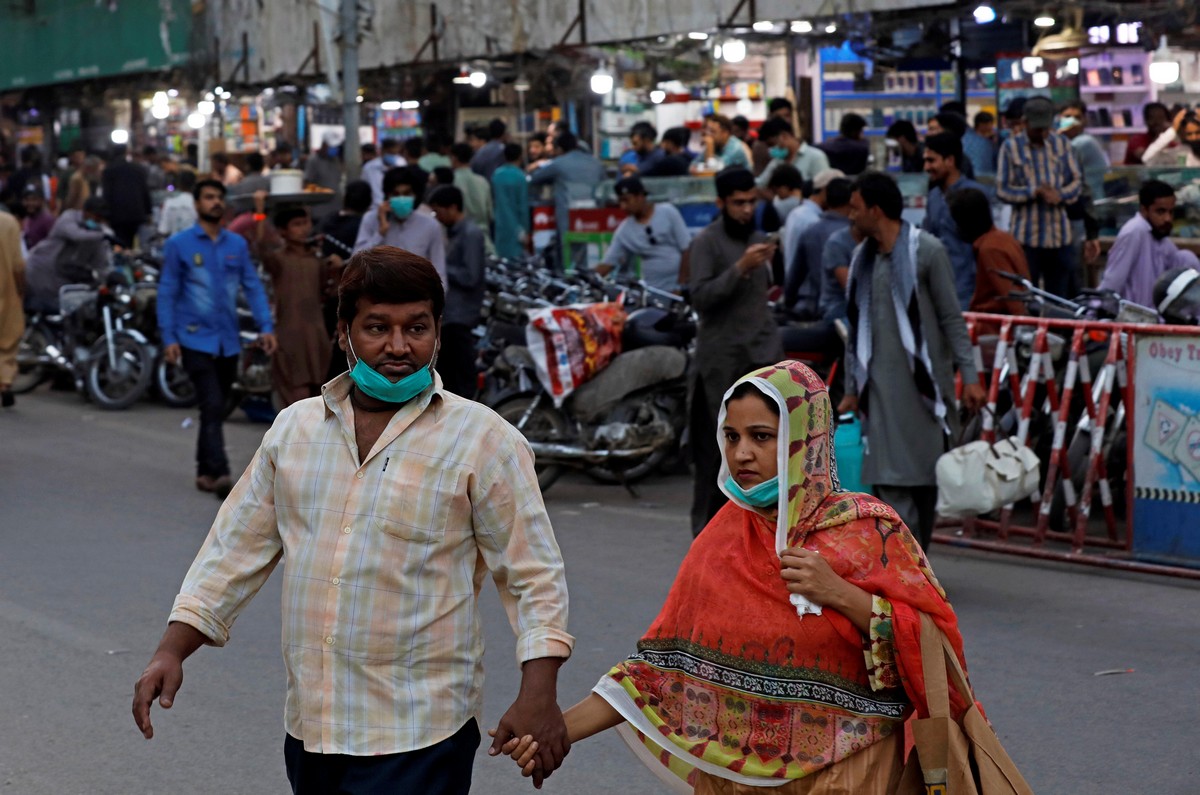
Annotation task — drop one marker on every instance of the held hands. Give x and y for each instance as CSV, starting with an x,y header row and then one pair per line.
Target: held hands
x,y
529,717
755,256
523,751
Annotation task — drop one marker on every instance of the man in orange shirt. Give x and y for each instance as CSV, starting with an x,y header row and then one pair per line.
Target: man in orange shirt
x,y
994,251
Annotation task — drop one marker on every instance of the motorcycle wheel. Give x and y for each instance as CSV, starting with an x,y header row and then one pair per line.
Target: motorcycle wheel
x,y
120,387
30,370
634,470
545,424
173,385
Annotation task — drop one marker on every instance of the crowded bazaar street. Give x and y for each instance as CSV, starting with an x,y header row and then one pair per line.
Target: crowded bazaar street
x,y
100,524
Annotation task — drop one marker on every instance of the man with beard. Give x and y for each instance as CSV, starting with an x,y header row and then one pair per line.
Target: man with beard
x,y
943,156
1143,250
907,338
730,277
203,267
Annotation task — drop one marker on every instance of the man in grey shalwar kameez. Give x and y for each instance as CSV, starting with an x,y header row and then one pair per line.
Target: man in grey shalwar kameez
x,y
730,277
907,337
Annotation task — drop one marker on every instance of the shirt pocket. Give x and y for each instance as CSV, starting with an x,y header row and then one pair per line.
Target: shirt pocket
x,y
414,503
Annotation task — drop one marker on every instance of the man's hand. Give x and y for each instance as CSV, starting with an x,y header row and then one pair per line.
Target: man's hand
x,y
849,404
384,210
1050,195
160,680
173,353
755,256
973,397
535,713
268,343
1177,122
1091,251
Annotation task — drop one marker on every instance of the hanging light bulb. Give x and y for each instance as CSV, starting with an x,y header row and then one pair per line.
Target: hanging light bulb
x,y
763,26
1031,64
602,80
718,51
1164,68
1044,21
657,96
985,14
697,35
802,26
206,106
477,79
196,120
735,51
1041,79
831,27
1073,66
160,111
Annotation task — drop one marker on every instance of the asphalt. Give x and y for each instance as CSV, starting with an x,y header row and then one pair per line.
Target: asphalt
x,y
99,521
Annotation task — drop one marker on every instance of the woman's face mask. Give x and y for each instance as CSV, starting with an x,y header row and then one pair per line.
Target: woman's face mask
x,y
751,434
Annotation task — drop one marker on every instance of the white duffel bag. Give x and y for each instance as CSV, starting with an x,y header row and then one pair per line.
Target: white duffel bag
x,y
980,477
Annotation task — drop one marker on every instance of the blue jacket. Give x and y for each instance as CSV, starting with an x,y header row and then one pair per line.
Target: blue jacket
x,y
939,223
198,291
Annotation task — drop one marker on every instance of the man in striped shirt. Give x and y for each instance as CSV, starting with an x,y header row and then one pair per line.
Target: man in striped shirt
x,y
1039,176
388,500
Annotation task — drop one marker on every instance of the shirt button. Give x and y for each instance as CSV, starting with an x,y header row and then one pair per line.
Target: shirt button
x,y
346,530
329,640
359,475
336,581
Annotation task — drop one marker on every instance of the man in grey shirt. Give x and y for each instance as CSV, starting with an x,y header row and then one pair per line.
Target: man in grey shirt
x,y
900,365
574,174
730,277
464,300
653,234
396,222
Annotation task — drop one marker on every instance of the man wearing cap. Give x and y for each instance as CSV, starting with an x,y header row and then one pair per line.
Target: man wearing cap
x,y
807,214
1143,250
653,239
1039,176
730,275
76,249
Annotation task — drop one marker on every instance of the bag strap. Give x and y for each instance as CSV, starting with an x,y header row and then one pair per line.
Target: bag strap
x,y
937,692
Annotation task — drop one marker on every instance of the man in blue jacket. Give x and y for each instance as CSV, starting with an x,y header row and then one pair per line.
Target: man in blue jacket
x,y
203,267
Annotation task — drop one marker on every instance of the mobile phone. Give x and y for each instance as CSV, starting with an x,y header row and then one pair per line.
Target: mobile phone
x,y
772,239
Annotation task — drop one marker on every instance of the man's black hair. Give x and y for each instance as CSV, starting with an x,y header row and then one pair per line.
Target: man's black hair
x,y
778,104
1015,110
513,153
1075,104
121,150
185,180
630,185
255,163
1150,106
741,122
389,145
838,193
852,125
773,127
358,196
786,175
149,150
496,129
946,144
443,175
644,129
733,180
462,152
368,149
879,190
971,211
679,136
446,196
389,275
954,106
199,187
286,214
540,137
435,141
1152,190
413,177
413,147
96,205
566,142
952,123
902,129
984,117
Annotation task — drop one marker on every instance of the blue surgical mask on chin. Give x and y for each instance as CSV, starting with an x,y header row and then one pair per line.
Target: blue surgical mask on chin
x,y
764,495
402,206
376,385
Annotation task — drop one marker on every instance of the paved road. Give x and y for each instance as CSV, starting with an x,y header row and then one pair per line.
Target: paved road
x,y
98,523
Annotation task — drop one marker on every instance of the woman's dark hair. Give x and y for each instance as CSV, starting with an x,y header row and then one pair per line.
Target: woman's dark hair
x,y
285,215
389,275
880,190
199,187
971,211
747,388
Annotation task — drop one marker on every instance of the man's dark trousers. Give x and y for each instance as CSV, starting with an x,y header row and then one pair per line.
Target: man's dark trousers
x,y
213,378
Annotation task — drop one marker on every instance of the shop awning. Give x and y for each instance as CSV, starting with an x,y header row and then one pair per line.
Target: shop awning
x,y
63,42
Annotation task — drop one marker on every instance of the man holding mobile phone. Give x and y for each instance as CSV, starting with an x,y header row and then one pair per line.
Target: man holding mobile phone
x,y
397,223
730,276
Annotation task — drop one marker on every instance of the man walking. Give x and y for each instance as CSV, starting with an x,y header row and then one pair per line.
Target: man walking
x,y
465,261
383,561
802,289
943,158
1039,176
907,336
652,239
127,195
203,268
730,277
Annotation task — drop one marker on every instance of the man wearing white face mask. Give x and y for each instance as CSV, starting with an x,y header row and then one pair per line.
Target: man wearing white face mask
x,y
396,222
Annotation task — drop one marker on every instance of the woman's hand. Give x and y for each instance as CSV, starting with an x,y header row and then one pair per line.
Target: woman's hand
x,y
807,573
